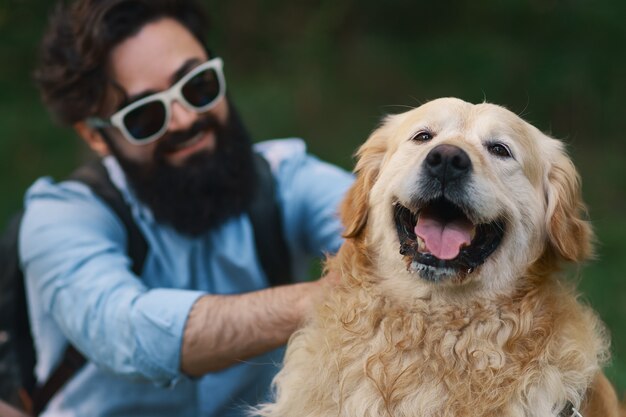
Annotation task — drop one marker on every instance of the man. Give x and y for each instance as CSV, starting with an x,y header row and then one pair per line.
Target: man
x,y
197,332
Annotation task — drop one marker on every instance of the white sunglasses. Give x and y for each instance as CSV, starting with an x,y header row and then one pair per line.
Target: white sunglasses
x,y
147,119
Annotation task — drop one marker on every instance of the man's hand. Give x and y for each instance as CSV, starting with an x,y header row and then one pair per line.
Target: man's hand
x,y
224,329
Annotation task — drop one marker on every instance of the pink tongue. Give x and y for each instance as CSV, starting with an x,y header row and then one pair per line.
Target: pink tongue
x,y
444,240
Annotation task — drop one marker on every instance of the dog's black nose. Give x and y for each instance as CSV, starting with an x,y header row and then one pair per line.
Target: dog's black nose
x,y
448,163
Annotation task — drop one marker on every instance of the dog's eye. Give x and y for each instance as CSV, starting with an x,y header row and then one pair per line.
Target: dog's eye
x,y
422,136
499,149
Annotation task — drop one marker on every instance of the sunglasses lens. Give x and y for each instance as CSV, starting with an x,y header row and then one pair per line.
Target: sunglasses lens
x,y
202,89
145,120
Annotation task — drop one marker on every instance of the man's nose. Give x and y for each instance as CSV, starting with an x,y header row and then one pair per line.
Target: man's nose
x,y
182,118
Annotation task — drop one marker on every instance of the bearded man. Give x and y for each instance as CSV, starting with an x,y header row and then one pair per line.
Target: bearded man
x,y
195,332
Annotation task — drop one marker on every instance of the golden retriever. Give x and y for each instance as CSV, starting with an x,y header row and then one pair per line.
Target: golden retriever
x,y
450,302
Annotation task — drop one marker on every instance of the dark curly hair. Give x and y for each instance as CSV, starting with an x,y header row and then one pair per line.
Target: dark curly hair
x,y
71,74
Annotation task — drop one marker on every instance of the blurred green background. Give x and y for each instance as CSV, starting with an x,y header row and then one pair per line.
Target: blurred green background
x,y
329,70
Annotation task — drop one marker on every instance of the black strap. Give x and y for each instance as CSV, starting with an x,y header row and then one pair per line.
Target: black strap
x,y
96,176
70,364
266,220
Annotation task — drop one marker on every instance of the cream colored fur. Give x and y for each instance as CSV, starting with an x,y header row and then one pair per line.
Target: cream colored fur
x,y
510,340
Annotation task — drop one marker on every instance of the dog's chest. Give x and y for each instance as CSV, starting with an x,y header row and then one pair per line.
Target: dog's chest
x,y
434,361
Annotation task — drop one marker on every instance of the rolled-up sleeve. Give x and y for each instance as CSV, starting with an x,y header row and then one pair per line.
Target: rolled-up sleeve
x,y
73,252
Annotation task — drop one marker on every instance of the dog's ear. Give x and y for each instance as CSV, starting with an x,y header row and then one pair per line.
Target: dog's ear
x,y
569,232
355,206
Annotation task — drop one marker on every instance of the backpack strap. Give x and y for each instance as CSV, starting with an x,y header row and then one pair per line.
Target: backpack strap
x,y
96,176
71,362
266,219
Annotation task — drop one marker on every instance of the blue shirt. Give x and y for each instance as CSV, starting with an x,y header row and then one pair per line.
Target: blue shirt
x,y
80,288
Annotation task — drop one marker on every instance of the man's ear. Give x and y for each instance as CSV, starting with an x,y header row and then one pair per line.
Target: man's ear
x,y
93,138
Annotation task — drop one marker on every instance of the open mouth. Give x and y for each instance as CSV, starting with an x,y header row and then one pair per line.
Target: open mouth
x,y
439,240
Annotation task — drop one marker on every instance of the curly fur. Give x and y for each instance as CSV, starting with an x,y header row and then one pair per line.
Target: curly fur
x,y
512,340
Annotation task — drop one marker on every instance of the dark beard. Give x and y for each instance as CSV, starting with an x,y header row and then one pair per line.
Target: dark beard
x,y
208,189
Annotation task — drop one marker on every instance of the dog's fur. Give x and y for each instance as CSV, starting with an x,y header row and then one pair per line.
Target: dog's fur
x,y
505,338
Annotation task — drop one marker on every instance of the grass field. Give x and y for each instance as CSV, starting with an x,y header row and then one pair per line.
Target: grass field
x,y
329,71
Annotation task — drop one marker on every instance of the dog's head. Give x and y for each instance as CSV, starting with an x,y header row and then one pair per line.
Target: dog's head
x,y
452,193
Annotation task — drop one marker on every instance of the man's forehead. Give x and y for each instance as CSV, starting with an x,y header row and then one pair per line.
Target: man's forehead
x,y
154,57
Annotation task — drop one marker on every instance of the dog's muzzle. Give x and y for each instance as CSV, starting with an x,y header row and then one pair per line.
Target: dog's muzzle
x,y
438,237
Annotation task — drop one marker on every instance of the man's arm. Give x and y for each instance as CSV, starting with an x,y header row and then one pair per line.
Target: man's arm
x,y
222,330
80,287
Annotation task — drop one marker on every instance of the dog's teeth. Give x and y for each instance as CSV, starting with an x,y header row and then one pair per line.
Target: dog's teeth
x,y
421,245
435,274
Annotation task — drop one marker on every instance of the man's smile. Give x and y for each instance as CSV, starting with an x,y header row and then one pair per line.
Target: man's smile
x,y
204,140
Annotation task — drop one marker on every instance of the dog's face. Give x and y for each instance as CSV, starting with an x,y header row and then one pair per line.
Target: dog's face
x,y
453,194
